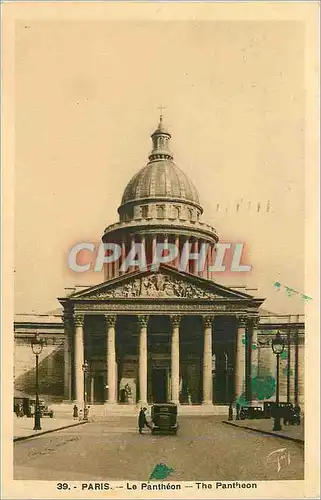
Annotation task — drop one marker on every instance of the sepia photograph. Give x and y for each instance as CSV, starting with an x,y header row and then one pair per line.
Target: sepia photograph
x,y
162,290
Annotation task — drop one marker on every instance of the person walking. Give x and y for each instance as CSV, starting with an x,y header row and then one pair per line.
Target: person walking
x,y
238,407
75,411
142,420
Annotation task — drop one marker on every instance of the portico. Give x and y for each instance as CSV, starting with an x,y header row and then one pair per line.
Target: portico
x,y
162,336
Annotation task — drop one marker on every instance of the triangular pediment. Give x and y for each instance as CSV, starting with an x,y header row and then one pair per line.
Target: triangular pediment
x,y
165,283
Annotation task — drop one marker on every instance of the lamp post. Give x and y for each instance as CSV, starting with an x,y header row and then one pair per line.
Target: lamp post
x,y
278,348
85,370
37,345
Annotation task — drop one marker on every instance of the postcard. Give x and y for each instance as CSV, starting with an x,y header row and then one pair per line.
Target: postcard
x,y
160,314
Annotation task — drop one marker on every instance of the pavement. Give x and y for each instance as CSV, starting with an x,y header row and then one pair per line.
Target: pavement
x,y
204,449
23,426
290,432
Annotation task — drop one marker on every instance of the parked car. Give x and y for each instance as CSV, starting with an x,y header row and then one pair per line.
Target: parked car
x,y
164,418
46,412
252,412
287,411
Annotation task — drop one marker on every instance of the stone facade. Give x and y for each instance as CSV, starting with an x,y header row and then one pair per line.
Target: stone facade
x,y
169,333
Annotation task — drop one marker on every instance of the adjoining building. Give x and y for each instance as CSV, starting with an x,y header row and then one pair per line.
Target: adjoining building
x,y
163,334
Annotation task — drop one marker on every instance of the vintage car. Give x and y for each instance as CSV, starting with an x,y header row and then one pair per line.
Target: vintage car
x,y
287,411
45,411
164,418
252,412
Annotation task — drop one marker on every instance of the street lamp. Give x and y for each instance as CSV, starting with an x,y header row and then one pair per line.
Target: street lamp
x,y
85,369
37,345
278,348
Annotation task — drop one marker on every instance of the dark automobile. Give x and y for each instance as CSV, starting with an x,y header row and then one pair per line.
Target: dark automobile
x,y
164,418
287,411
252,412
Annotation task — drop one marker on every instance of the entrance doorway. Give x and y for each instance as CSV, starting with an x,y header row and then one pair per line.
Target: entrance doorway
x,y
99,389
159,385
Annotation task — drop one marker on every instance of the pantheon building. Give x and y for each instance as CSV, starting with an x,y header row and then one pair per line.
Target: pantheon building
x,y
161,334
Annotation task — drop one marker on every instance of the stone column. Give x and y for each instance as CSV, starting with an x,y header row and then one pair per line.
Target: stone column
x,y
154,243
116,268
92,389
176,261
186,247
143,320
207,362
123,255
240,356
213,257
111,358
207,273
67,320
254,348
79,358
175,359
132,245
143,243
203,249
195,262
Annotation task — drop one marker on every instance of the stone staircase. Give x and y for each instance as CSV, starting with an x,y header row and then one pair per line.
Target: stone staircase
x,y
99,411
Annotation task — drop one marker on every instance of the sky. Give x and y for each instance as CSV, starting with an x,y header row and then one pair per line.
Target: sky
x,y
87,95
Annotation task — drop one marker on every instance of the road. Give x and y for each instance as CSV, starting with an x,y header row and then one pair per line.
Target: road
x,y
204,449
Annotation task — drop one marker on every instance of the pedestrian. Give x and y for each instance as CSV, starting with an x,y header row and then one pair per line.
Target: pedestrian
x,y
16,410
75,411
238,407
80,414
230,411
142,420
86,412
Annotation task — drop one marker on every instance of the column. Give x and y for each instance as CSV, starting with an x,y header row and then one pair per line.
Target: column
x,y
296,367
186,247
132,245
176,261
165,252
154,243
203,259
254,348
143,320
207,362
208,262
116,268
111,358
175,359
240,357
143,243
213,261
67,355
79,358
92,389
195,262
123,256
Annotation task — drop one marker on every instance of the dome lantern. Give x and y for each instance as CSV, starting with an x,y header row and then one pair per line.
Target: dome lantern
x,y
160,140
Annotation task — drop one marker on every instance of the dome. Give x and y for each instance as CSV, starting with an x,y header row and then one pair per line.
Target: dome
x,y
160,179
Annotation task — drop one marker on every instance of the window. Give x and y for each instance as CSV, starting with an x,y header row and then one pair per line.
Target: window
x,y
144,210
160,211
176,212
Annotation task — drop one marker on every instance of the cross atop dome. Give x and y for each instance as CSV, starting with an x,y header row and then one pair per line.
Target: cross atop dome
x,y
161,114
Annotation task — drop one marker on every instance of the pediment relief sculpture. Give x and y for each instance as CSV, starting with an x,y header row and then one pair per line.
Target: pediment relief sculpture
x,y
156,286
